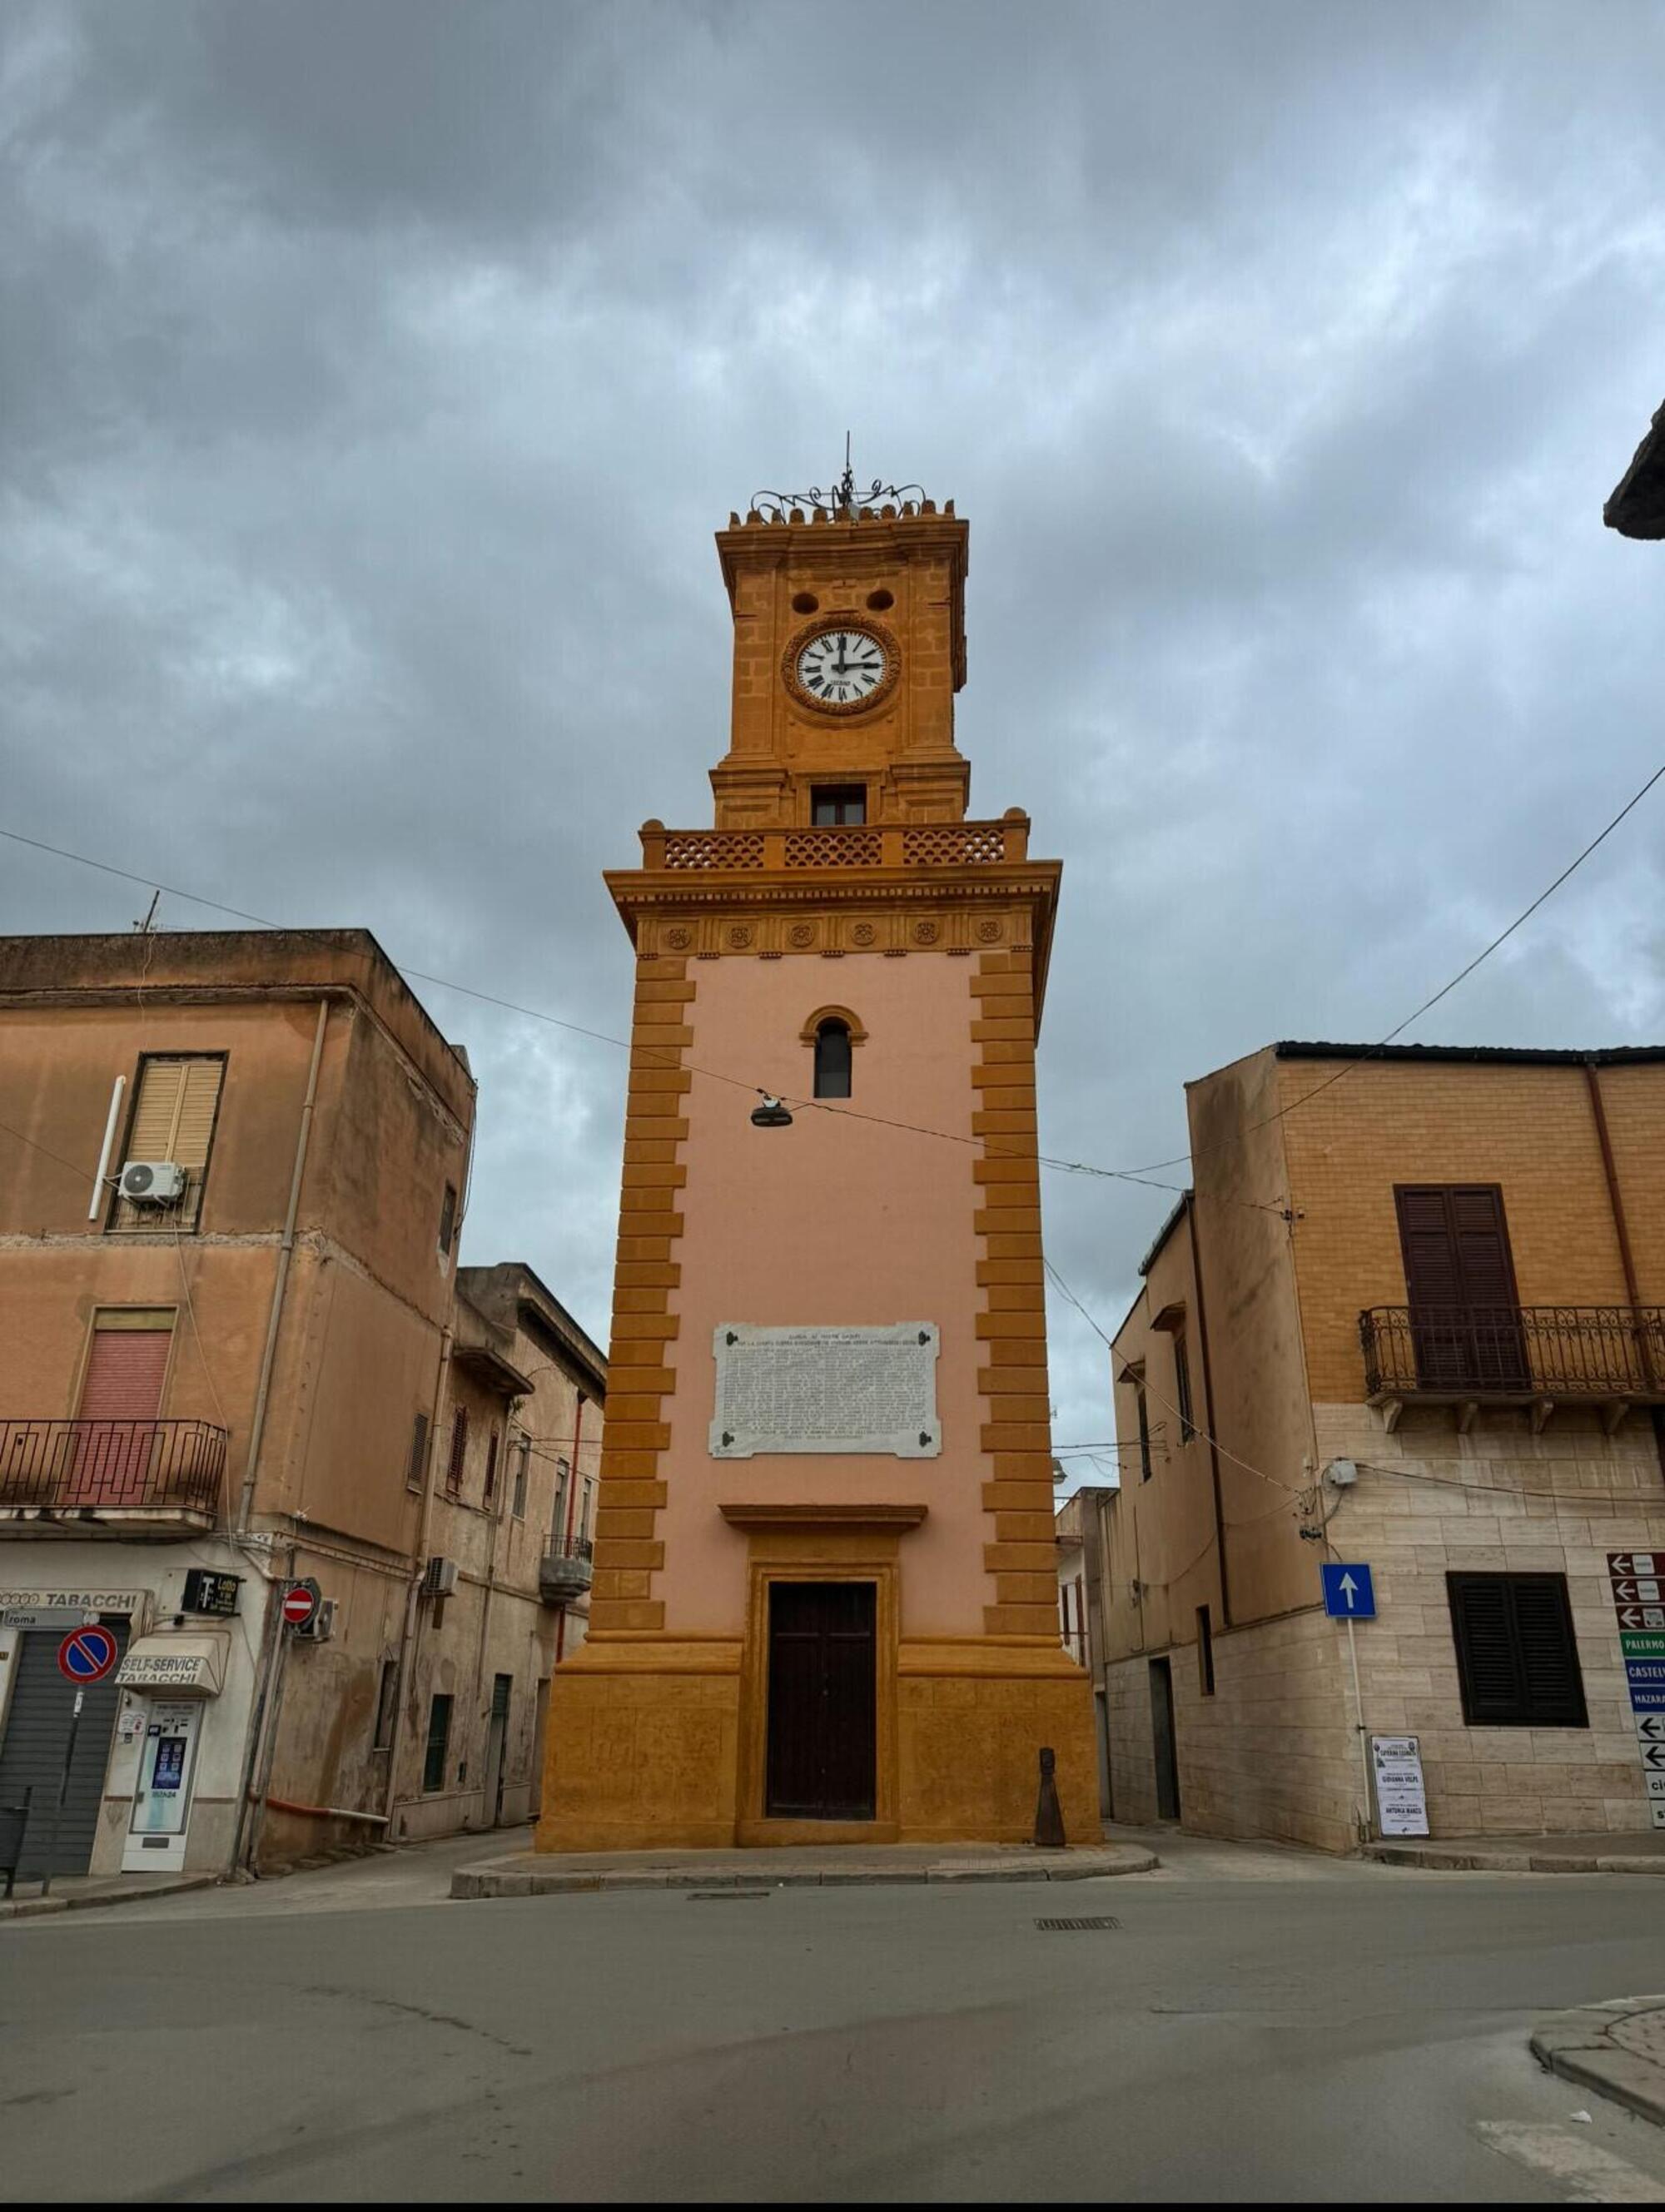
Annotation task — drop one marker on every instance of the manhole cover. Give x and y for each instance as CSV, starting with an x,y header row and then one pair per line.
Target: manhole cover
x,y
1069,1927
726,1896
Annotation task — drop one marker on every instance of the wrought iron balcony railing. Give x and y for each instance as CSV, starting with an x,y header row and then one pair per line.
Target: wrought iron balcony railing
x,y
1520,1353
111,1464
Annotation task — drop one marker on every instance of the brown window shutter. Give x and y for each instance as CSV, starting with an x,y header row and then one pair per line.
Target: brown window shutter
x,y
418,1454
1517,1654
491,1490
1460,1283
454,1474
155,1111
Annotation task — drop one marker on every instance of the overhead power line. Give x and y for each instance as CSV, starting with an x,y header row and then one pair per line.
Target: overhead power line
x,y
1142,1174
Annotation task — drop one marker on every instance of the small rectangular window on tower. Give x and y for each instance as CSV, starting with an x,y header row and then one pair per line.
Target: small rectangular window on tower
x,y
417,1469
1204,1652
447,1218
838,805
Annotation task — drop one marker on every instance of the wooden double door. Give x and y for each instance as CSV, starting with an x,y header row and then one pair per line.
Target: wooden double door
x,y
822,1746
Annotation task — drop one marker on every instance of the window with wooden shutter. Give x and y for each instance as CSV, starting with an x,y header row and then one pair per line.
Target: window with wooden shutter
x,y
1187,1427
1517,1657
491,1489
176,1099
453,1473
1465,1311
418,1468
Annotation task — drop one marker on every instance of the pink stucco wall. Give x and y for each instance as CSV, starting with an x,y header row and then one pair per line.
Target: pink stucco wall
x,y
834,1221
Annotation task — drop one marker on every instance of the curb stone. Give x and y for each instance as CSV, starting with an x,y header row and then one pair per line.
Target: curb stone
x,y
1511,1861
1579,2047
514,1877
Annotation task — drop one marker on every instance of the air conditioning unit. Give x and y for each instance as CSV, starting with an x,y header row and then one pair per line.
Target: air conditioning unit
x,y
321,1627
153,1182
439,1578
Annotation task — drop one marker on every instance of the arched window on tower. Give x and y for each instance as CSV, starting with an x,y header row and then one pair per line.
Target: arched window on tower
x,y
832,1059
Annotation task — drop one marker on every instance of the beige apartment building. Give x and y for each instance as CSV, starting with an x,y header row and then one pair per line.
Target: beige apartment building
x,y
1412,1317
234,1356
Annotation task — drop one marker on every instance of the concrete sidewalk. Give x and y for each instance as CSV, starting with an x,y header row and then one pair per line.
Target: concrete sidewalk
x,y
1616,2049
1600,1851
75,1892
545,1873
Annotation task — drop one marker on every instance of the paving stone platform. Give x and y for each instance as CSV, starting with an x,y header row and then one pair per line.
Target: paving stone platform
x,y
1616,2049
546,1874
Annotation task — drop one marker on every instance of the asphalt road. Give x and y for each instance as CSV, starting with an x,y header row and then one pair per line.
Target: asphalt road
x,y
1260,2027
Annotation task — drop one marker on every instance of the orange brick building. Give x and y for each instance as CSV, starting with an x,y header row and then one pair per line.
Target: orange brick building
x,y
824,1603
1413,1315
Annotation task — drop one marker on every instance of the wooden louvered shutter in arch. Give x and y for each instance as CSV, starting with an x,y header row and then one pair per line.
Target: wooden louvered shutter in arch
x,y
115,1430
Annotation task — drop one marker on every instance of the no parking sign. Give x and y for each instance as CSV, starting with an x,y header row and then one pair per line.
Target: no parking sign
x,y
86,1654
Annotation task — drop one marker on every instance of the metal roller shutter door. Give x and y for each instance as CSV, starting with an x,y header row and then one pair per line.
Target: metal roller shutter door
x,y
32,1752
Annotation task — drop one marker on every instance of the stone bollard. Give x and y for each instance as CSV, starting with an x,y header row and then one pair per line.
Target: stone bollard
x,y
1049,1813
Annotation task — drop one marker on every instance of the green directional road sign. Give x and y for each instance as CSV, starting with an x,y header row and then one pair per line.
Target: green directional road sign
x,y
1641,1643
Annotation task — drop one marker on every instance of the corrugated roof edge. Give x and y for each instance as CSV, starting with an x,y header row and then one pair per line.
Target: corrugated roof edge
x,y
1164,1233
1548,1056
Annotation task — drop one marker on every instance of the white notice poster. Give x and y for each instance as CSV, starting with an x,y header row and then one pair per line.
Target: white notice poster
x,y
1401,1799
826,1390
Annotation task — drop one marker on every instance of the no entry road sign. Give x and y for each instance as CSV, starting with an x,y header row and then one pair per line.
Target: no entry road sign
x,y
87,1655
300,1602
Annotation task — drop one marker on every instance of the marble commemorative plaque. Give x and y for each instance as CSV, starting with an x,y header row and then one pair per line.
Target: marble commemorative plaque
x,y
826,1390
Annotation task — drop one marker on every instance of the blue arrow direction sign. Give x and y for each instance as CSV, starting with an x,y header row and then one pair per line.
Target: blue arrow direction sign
x,y
1349,1592
1647,1698
1647,1672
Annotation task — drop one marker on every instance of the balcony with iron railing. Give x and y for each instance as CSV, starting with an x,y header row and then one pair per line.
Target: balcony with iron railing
x,y
131,1477
564,1572
867,845
1540,1357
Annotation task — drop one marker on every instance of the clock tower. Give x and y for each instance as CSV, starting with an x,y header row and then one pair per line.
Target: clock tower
x,y
824,1604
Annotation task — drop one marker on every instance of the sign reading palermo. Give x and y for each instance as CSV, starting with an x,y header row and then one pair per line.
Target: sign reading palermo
x,y
1639,1601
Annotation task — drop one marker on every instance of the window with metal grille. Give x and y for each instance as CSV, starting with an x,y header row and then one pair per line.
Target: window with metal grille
x,y
453,1471
1517,1657
832,1060
438,1743
447,1218
176,1100
524,1456
1187,1427
491,1489
417,1469
386,1703
838,805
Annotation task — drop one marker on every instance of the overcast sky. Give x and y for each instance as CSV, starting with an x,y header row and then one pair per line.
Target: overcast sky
x,y
374,372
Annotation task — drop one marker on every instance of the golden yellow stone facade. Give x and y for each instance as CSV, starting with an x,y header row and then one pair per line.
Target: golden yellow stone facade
x,y
917,1199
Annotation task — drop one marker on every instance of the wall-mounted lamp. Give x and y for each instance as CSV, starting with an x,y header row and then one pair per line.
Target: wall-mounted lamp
x,y
771,1115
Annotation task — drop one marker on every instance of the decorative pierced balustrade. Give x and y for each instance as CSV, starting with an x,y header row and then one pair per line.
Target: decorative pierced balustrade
x,y
873,845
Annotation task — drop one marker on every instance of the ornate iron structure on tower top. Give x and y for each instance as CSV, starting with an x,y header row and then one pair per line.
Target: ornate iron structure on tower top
x,y
841,500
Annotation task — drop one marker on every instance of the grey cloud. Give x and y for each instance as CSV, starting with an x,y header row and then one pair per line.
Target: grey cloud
x,y
374,375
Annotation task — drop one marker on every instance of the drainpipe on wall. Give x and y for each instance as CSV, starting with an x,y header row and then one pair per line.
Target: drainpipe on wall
x,y
1208,1407
258,1425
1626,1256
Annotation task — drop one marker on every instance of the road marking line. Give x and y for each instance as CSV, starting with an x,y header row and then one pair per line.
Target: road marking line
x,y
1587,2174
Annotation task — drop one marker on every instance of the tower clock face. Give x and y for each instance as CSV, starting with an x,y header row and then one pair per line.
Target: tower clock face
x,y
842,667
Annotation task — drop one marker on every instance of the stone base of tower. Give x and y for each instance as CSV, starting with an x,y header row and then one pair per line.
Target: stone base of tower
x,y
658,1744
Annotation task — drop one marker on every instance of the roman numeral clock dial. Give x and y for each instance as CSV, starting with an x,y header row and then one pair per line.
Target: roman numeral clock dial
x,y
842,667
